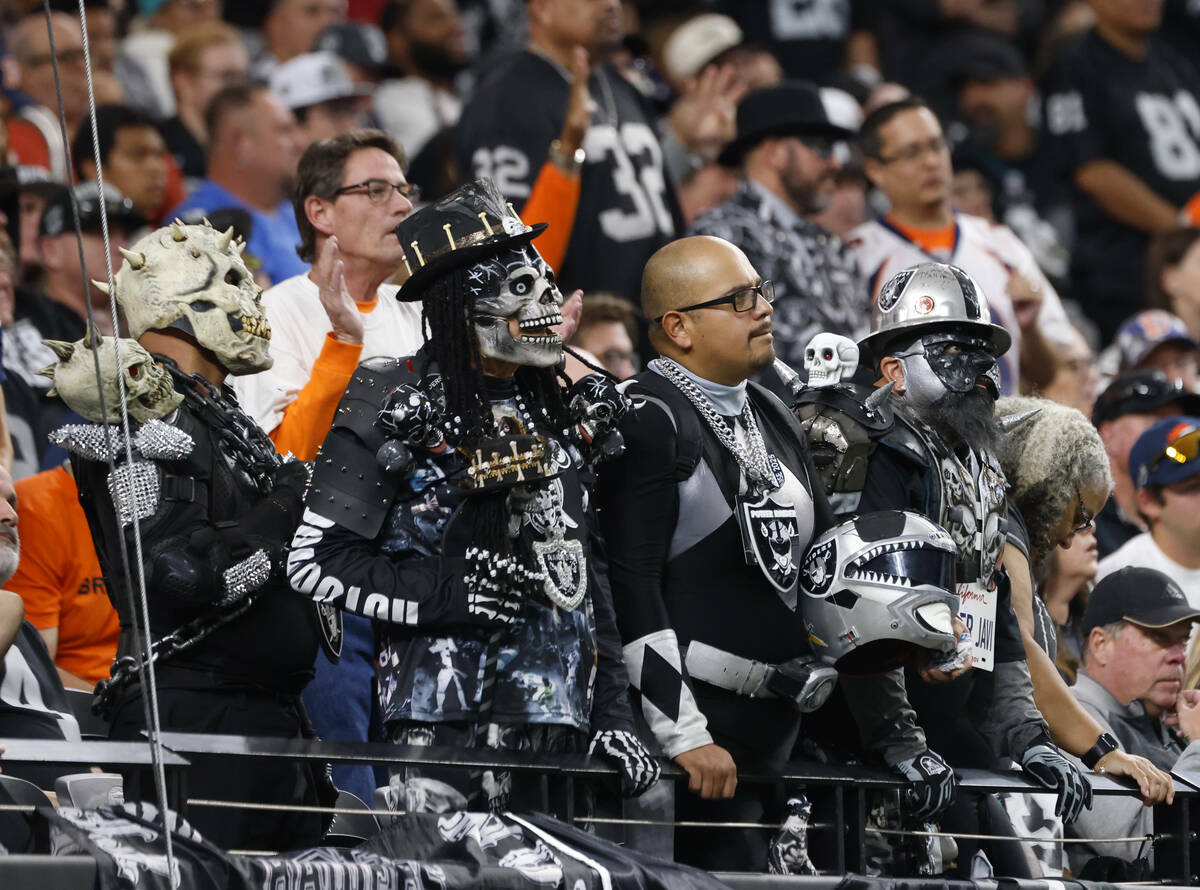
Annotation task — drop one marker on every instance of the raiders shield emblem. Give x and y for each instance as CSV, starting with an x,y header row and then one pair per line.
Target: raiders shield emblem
x,y
329,619
562,560
769,530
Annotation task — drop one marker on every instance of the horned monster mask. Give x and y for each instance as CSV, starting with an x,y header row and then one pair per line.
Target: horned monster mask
x,y
516,303
191,278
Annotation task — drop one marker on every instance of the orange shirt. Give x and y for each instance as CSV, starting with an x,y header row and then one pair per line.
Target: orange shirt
x,y
932,241
59,575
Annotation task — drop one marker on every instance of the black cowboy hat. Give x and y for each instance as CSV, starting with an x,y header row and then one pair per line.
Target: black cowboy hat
x,y
471,222
794,108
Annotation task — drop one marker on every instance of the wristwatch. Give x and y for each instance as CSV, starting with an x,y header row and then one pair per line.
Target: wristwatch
x,y
570,164
1104,745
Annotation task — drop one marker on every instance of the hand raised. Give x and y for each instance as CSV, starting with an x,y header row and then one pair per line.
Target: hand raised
x,y
339,306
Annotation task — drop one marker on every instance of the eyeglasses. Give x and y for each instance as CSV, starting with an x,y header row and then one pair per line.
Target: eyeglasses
x,y
743,299
822,146
65,57
937,145
1181,451
614,357
379,190
1084,518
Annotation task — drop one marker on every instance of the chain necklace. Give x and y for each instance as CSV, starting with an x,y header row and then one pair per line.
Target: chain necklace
x,y
762,469
244,440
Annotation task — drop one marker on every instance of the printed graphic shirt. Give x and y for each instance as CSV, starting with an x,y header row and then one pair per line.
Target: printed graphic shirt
x,y
1143,114
553,665
817,285
626,207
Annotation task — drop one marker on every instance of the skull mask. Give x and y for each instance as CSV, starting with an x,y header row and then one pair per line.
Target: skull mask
x,y
149,390
192,279
517,285
829,358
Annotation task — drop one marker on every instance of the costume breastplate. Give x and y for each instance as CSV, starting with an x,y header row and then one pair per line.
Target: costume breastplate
x,y
966,498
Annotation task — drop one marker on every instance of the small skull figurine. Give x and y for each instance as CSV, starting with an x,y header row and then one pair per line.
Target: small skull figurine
x,y
829,358
150,392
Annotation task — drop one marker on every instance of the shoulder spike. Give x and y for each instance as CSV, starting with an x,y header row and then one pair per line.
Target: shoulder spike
x,y
136,260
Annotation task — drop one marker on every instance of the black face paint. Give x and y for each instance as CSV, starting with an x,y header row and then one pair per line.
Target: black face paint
x,y
960,362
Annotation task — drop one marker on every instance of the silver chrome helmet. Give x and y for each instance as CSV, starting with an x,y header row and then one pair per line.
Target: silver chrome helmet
x,y
877,586
929,297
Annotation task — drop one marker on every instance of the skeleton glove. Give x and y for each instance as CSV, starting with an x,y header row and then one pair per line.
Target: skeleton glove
x,y
639,770
1046,765
930,785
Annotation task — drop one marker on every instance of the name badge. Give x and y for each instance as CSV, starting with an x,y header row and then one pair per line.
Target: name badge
x,y
977,609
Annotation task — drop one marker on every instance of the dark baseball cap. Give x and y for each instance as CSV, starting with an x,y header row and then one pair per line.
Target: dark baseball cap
x,y
985,57
1142,596
356,42
1141,392
1167,452
57,218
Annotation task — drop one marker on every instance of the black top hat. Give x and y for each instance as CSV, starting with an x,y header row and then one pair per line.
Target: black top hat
x,y
794,108
466,225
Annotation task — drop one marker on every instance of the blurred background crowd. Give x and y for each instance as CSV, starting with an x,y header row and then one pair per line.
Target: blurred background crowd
x,y
1049,147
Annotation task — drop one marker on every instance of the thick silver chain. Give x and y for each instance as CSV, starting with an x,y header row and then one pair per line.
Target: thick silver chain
x,y
762,469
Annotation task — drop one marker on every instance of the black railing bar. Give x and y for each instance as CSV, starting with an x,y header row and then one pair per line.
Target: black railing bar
x,y
771,826
904,832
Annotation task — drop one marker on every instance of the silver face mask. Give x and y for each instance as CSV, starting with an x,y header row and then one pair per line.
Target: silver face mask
x,y
519,285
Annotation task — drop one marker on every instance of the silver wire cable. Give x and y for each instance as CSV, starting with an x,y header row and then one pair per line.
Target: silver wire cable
x,y
149,686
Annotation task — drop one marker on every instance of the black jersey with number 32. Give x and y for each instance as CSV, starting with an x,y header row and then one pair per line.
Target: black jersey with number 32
x,y
1142,114
626,207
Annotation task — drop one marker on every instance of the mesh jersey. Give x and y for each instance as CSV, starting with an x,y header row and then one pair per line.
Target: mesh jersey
x,y
987,252
1145,116
626,207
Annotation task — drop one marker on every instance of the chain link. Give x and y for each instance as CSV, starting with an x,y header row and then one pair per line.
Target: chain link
x,y
762,469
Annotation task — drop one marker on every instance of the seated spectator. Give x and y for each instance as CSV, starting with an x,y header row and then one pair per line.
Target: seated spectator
x,y
361,47
1165,468
32,701
1135,627
1173,275
1156,340
255,145
33,132
1121,110
146,49
317,89
204,60
1076,379
607,332
426,43
34,189
134,157
1066,580
291,27
1125,410
59,579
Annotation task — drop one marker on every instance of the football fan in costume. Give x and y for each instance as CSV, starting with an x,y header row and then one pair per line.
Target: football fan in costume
x,y
450,505
232,646
929,446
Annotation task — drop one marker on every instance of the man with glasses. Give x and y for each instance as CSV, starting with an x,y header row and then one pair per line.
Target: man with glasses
x,y
785,145
350,195
1126,409
706,515
907,159
1136,627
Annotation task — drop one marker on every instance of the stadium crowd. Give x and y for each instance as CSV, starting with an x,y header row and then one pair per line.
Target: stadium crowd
x,y
709,172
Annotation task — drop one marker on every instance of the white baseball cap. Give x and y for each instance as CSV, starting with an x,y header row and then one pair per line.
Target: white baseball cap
x,y
697,42
313,78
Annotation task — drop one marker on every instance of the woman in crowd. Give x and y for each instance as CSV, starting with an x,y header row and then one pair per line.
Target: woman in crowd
x,y
1173,275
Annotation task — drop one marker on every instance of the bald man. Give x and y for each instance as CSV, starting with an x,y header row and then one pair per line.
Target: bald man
x,y
699,610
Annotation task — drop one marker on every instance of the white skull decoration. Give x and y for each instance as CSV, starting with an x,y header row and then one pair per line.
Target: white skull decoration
x,y
149,390
192,278
517,284
829,358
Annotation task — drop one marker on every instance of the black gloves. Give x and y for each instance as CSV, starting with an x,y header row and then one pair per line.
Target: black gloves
x,y
639,770
1046,765
930,785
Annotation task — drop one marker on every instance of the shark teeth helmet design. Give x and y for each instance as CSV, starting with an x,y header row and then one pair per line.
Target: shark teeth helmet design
x,y
877,588
191,278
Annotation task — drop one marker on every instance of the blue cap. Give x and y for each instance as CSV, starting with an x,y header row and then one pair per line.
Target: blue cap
x,y
1143,333
1154,442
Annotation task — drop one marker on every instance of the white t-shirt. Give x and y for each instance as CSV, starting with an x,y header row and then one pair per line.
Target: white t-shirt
x,y
413,111
1143,552
988,253
298,328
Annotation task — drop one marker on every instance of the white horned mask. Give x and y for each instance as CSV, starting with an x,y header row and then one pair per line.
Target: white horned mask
x,y
191,278
149,389
516,285
830,359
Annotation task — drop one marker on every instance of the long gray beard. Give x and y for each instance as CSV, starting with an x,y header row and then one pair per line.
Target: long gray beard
x,y
966,417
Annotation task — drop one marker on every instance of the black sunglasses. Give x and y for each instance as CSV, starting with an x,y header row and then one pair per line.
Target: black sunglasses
x,y
743,299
